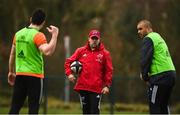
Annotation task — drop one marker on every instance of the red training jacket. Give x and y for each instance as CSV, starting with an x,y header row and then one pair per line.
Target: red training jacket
x,y
96,68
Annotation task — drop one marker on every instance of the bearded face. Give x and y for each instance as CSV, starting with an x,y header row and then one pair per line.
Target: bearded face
x,y
94,42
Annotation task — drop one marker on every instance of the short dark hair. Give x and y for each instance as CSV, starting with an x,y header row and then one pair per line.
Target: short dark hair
x,y
147,23
38,16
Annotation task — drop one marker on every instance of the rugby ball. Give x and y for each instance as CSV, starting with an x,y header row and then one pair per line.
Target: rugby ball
x,y
76,67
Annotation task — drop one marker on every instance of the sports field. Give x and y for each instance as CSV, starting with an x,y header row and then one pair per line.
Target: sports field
x,y
56,106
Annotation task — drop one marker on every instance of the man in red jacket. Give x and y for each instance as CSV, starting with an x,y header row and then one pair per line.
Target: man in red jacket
x,y
95,77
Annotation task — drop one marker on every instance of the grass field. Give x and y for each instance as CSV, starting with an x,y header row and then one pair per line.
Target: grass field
x,y
56,106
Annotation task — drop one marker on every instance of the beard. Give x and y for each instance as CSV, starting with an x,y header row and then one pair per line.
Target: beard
x,y
94,45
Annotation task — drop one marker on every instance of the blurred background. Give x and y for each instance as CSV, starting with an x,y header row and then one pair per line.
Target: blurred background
x,y
117,20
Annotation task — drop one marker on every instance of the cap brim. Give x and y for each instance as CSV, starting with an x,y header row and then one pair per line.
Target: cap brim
x,y
95,36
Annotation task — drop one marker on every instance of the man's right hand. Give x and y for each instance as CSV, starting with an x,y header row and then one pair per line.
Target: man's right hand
x,y
147,82
53,30
11,78
71,78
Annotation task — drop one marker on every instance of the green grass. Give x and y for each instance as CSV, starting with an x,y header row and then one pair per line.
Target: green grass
x,y
56,106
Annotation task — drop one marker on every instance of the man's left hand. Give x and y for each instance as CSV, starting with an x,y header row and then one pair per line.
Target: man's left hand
x,y
105,90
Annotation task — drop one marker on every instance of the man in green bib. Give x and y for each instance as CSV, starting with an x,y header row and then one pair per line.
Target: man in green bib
x,y
26,66
157,68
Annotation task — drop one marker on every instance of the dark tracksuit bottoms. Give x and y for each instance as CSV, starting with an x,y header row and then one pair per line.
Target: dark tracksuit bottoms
x,y
90,102
31,87
159,92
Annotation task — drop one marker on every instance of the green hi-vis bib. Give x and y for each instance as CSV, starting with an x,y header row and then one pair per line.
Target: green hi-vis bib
x,y
161,61
28,58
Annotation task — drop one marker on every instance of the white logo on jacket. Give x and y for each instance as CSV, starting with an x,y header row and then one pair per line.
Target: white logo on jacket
x,y
84,55
99,58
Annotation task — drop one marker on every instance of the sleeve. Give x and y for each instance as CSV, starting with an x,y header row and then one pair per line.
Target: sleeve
x,y
39,39
108,70
146,57
69,60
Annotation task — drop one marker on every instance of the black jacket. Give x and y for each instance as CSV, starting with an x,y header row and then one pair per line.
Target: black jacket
x,y
146,57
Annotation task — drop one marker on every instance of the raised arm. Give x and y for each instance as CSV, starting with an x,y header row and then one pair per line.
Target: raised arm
x,y
49,48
